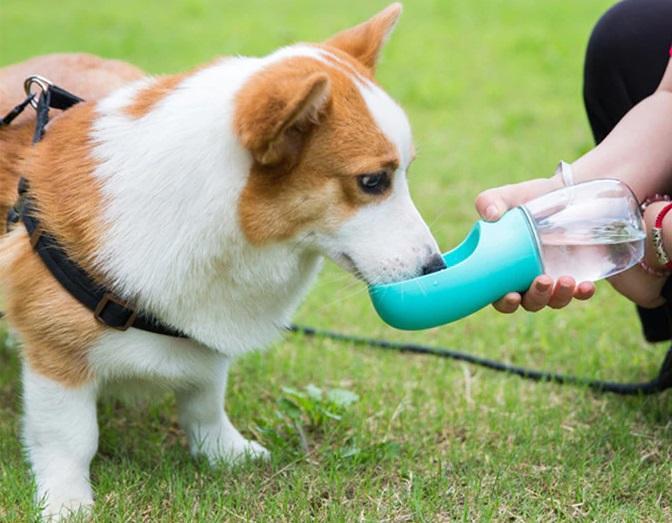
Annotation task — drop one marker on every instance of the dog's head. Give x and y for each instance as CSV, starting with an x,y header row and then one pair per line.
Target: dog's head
x,y
331,151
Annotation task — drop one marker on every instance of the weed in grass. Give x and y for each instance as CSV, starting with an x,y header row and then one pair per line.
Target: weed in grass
x,y
304,416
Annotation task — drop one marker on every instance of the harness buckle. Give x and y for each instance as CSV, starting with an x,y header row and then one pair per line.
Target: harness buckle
x,y
111,298
38,80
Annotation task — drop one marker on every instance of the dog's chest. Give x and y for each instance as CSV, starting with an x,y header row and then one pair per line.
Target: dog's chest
x,y
241,310
247,304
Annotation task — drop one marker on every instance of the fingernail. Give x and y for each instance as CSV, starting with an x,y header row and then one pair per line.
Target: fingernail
x,y
491,213
586,287
543,286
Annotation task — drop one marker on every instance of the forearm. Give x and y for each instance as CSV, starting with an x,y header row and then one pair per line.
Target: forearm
x,y
639,149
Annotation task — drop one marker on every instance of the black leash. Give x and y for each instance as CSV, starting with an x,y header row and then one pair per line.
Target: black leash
x,y
111,311
662,382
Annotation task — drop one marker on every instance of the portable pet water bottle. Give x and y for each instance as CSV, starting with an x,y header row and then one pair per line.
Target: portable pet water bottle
x,y
589,231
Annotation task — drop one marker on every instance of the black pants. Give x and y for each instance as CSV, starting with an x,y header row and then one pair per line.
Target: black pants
x,y
626,57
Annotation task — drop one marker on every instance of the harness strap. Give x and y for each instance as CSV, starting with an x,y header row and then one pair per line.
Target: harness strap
x,y
16,111
107,307
62,99
42,112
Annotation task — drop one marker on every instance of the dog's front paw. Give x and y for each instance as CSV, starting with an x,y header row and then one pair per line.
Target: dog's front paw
x,y
73,510
232,450
239,451
254,451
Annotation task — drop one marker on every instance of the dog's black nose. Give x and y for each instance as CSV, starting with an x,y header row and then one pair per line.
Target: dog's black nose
x,y
434,264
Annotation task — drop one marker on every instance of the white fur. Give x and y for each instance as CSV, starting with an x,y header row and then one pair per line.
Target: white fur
x,y
388,241
178,172
172,242
391,120
202,415
398,243
60,433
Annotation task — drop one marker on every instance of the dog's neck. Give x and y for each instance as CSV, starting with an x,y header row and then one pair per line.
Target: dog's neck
x,y
171,182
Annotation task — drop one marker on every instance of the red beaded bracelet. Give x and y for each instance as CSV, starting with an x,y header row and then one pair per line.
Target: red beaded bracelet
x,y
657,237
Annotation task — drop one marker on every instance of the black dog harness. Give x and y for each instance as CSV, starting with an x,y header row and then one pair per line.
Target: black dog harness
x,y
107,307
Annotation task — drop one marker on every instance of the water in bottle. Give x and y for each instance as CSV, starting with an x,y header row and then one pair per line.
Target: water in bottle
x,y
589,231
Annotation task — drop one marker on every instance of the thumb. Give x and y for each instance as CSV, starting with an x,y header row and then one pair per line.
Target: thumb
x,y
491,205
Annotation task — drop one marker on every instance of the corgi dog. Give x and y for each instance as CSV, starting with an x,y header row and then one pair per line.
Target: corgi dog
x,y
209,200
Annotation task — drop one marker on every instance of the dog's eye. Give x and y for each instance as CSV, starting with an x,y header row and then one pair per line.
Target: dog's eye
x,y
375,183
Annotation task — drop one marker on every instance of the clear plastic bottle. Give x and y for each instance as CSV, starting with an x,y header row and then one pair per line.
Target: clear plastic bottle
x,y
589,231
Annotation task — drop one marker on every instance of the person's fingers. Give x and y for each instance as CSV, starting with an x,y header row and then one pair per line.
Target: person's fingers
x,y
562,293
509,303
493,203
543,293
585,290
539,294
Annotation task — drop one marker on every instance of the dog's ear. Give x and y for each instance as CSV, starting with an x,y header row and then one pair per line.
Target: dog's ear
x,y
277,110
365,40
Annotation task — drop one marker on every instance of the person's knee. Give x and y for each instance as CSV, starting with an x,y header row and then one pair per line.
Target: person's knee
x,y
626,27
610,33
604,89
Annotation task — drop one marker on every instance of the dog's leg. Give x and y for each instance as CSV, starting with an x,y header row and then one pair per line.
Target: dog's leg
x,y
61,437
210,432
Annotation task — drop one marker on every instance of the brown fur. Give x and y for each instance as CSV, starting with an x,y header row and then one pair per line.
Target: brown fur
x,y
312,136
88,76
147,98
56,329
365,41
335,139
304,121
13,142
59,170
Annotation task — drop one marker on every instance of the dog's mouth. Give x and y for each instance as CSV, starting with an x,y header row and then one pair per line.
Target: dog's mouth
x,y
349,265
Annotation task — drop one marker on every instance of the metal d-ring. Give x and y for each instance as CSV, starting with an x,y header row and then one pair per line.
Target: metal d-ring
x,y
41,82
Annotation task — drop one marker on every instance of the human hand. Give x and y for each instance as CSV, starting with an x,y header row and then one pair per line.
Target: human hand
x,y
543,292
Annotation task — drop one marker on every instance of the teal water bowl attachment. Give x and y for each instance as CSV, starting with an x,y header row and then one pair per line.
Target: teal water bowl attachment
x,y
590,231
494,259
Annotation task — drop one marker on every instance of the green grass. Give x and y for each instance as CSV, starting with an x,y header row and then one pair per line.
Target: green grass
x,y
492,88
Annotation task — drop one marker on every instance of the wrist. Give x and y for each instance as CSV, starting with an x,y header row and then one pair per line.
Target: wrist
x,y
591,166
582,171
578,172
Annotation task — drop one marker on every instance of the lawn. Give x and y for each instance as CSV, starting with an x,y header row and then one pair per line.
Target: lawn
x,y
493,90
